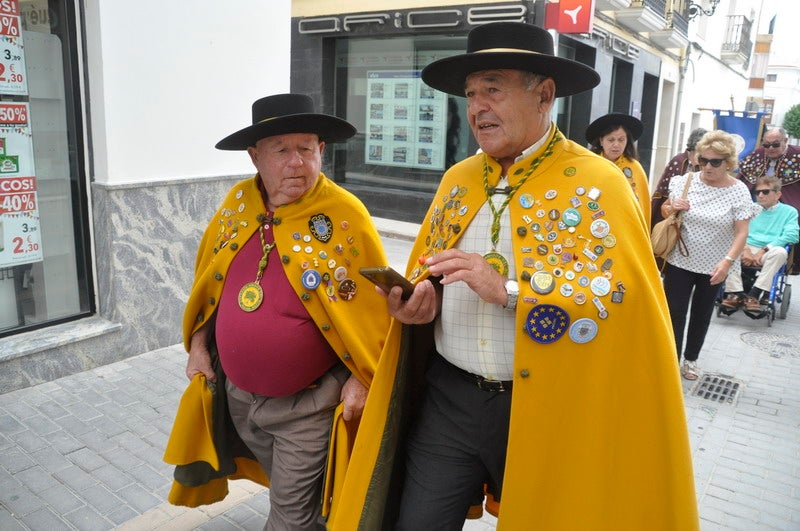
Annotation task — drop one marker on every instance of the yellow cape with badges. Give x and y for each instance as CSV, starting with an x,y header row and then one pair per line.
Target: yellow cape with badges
x,y
637,178
326,229
598,436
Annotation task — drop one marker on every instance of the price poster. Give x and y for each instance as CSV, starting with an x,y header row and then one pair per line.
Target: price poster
x,y
406,121
13,78
20,236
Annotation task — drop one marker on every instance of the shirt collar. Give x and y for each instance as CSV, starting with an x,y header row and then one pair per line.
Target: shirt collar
x,y
539,143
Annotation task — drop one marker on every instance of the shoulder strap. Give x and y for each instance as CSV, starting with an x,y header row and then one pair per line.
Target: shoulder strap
x,y
686,186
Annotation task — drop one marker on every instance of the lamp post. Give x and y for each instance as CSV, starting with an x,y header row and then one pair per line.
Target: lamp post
x,y
696,10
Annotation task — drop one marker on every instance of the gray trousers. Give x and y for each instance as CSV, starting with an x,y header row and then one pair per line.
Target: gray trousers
x,y
289,437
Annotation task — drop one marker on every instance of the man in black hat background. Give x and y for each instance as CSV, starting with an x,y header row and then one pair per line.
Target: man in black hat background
x,y
540,323
277,317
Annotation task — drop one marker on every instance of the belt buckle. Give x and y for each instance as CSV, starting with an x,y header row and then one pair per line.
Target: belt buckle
x,y
495,386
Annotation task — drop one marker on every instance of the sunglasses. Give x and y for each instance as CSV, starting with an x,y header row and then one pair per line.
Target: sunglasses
x,y
714,162
764,192
773,145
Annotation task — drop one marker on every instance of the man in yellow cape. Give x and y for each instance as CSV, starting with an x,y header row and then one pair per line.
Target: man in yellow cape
x,y
597,435
301,303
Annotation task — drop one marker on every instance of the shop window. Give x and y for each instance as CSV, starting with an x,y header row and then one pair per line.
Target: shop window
x,y
408,133
44,271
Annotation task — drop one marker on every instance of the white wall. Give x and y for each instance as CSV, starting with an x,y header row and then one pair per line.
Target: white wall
x,y
167,80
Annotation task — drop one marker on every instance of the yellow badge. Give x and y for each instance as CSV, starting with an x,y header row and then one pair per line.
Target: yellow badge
x,y
250,296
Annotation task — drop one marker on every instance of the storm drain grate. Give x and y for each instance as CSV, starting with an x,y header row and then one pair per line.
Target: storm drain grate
x,y
718,388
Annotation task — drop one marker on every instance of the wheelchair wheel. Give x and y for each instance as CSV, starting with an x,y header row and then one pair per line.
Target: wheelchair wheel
x,y
770,314
785,300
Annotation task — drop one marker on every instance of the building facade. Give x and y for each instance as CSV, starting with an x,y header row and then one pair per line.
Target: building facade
x,y
109,114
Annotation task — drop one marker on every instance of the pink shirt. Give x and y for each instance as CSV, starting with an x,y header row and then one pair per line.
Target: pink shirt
x,y
277,349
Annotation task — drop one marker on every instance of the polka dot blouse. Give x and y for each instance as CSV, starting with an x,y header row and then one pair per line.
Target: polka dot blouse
x,y
707,226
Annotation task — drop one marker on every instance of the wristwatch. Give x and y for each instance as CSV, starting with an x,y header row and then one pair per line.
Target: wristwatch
x,y
512,289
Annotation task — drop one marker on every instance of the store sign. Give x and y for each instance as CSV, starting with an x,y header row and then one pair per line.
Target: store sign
x,y
569,16
417,19
20,236
13,79
615,45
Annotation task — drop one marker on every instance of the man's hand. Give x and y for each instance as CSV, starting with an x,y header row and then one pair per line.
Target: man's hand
x,y
454,265
354,396
199,357
420,308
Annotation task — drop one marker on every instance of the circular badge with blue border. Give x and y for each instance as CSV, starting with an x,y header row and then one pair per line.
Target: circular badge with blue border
x,y
546,323
583,330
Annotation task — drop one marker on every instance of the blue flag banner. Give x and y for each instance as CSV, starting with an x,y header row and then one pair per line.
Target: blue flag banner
x,y
744,126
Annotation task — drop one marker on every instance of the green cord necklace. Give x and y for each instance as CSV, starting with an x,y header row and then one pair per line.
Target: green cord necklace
x,y
251,295
495,259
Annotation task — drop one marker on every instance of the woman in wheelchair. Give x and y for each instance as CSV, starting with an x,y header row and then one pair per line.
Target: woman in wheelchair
x,y
770,231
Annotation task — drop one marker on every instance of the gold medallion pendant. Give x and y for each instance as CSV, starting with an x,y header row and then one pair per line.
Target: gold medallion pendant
x,y
497,261
250,296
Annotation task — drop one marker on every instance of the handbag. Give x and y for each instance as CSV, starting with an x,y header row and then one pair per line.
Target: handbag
x,y
666,234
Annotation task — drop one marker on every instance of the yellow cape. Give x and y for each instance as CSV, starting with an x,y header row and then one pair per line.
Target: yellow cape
x,y
637,178
598,436
340,233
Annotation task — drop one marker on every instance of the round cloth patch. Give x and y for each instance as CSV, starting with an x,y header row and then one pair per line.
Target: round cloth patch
x,y
546,323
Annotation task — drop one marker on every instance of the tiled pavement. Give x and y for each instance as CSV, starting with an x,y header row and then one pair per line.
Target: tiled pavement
x,y
84,452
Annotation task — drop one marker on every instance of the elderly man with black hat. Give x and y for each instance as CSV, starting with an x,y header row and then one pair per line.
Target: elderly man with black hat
x,y
539,323
613,136
277,320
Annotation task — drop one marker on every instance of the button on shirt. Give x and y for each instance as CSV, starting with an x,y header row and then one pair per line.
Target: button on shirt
x,y
471,333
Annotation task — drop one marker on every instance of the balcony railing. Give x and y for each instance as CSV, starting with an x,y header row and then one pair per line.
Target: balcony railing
x,y
738,45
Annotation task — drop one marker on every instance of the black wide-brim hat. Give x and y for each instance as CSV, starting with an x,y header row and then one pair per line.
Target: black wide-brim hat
x,y
510,45
282,114
596,128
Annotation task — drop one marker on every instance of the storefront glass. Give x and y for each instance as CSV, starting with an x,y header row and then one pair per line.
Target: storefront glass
x,y
408,133
44,267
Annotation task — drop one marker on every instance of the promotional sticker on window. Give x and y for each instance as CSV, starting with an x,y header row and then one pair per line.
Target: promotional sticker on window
x,y
13,79
20,235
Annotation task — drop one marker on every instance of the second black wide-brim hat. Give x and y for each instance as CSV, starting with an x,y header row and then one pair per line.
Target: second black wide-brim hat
x,y
281,114
510,45
632,124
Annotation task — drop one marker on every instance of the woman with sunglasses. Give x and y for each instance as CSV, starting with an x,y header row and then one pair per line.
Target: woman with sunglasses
x,y
612,136
680,164
716,215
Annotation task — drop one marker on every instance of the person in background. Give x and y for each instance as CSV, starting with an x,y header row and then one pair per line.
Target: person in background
x,y
531,268
776,158
716,214
770,231
277,317
681,163
613,136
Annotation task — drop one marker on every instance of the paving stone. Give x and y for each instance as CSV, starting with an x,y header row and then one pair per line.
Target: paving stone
x,y
112,477
21,501
43,519
36,479
87,459
138,498
100,498
87,519
29,441
50,460
61,499
75,478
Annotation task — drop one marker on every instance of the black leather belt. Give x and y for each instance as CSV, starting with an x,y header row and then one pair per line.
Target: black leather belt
x,y
484,384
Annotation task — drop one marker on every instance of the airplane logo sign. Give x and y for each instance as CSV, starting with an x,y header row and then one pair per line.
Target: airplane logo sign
x,y
569,16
